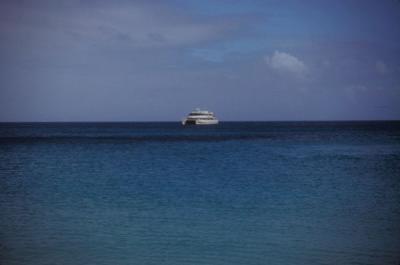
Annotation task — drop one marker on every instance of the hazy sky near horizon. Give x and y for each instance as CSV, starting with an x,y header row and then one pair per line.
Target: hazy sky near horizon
x,y
97,60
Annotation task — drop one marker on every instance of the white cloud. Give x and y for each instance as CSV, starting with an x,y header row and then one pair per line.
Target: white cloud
x,y
326,63
209,55
143,27
135,24
381,67
284,62
353,91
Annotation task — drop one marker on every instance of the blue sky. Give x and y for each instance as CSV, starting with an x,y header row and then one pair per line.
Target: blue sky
x,y
157,60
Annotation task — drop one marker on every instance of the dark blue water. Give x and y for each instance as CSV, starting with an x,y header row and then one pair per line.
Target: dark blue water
x,y
236,193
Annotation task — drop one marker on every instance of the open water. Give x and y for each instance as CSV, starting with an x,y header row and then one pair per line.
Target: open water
x,y
235,193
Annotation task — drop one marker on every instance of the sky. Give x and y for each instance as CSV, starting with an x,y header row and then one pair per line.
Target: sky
x,y
269,60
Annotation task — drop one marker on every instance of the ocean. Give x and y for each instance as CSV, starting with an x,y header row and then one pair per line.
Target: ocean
x,y
236,193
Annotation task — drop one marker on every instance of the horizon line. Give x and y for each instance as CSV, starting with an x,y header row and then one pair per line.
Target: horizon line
x,y
224,121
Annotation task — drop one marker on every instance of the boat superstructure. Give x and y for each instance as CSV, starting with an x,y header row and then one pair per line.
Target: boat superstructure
x,y
200,117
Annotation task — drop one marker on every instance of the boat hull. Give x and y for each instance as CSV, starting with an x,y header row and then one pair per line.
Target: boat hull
x,y
199,122
206,122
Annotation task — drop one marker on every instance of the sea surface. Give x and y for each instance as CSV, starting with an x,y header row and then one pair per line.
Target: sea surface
x,y
236,193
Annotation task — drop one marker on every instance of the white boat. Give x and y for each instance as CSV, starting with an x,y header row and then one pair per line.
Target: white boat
x,y
200,117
